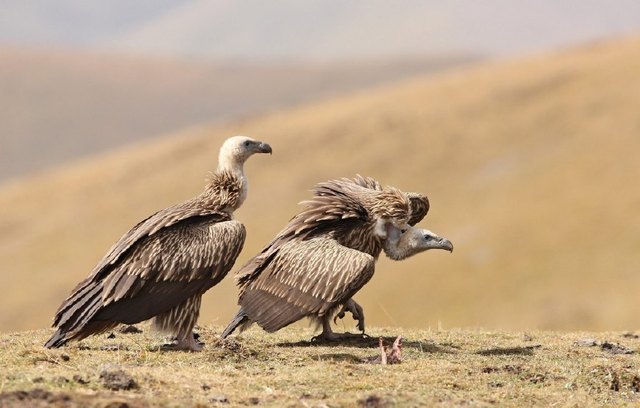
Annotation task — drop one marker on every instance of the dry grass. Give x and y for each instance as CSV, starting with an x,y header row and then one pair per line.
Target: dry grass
x,y
531,167
439,368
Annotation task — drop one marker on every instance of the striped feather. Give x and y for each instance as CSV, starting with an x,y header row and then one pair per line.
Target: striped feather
x,y
322,257
304,279
176,254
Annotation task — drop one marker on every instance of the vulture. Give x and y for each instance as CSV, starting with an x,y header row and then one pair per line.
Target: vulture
x,y
163,265
327,253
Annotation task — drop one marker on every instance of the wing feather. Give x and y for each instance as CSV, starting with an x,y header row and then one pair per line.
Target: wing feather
x,y
152,225
419,207
189,251
177,261
305,278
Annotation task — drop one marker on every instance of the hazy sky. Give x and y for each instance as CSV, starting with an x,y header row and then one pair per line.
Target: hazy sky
x,y
314,29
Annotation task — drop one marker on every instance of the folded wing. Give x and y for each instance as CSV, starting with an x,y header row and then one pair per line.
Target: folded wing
x,y
304,278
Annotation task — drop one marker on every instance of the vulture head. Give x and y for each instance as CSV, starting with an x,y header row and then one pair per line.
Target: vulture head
x,y
236,150
401,244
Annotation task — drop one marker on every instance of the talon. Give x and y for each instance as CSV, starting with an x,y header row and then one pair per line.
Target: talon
x,y
356,311
340,315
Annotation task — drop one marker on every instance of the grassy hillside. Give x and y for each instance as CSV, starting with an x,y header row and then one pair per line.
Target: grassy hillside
x,y
531,167
437,368
57,105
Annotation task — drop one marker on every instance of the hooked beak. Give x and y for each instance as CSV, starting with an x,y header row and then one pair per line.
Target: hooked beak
x,y
264,148
445,244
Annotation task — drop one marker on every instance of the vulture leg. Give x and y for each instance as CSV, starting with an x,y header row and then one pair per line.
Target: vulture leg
x,y
356,311
179,323
328,335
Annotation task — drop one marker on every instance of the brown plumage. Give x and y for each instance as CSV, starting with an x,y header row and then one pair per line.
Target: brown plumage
x,y
163,265
325,254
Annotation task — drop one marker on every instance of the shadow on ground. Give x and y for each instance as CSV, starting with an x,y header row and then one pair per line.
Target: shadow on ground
x,y
373,342
509,351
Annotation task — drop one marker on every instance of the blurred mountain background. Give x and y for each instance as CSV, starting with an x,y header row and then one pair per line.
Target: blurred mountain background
x,y
519,120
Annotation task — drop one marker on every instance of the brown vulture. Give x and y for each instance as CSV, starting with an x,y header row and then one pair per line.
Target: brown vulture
x,y
163,265
327,253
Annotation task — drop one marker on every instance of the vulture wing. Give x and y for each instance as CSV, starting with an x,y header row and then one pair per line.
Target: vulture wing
x,y
151,225
419,205
303,278
155,273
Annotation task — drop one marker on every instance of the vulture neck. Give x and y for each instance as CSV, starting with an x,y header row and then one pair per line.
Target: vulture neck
x,y
395,246
234,165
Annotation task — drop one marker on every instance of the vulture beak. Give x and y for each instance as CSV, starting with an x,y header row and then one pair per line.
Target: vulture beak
x,y
435,242
445,244
264,148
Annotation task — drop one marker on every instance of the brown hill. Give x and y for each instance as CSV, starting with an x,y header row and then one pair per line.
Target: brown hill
x,y
531,167
58,105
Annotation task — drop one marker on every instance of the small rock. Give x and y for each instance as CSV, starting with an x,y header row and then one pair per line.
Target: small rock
x,y
61,379
527,337
38,380
77,378
129,329
629,335
220,399
111,335
372,401
205,387
117,404
41,394
65,357
113,347
115,378
616,348
588,342
253,400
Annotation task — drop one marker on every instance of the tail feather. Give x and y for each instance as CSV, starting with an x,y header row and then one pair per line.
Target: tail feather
x,y
74,316
57,340
240,319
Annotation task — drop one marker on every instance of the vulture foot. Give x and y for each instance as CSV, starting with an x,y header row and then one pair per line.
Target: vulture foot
x,y
187,344
356,311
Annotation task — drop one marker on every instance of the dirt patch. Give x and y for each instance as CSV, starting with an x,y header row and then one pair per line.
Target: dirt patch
x,y
129,329
507,351
609,347
616,348
114,378
35,398
372,401
39,398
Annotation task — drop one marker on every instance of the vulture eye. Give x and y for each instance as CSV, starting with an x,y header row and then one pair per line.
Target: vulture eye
x,y
427,237
247,143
